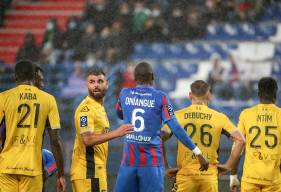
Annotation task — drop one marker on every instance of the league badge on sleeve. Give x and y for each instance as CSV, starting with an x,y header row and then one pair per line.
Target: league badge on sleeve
x,y
83,121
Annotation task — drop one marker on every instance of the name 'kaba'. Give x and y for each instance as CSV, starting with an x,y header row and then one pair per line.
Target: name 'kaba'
x,y
28,96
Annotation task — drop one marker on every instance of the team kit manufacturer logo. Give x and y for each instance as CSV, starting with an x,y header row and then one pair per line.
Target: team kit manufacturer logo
x,y
83,121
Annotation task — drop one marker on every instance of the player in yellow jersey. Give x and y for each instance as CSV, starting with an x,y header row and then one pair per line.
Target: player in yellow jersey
x,y
205,126
261,125
88,168
25,110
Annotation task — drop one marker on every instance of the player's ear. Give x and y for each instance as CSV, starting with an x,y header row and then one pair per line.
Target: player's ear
x,y
106,84
209,96
189,96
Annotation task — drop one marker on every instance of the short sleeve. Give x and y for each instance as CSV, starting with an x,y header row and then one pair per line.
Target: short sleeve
x,y
228,125
167,109
241,124
84,120
53,116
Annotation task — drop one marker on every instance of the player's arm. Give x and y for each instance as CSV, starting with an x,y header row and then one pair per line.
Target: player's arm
x,y
91,138
166,133
186,140
236,151
234,182
56,146
55,141
169,171
238,136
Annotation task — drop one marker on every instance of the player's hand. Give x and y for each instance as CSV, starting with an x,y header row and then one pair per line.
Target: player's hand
x,y
61,184
124,130
234,183
223,169
171,172
204,163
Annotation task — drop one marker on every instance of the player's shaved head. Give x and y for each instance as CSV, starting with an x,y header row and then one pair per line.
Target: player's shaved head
x,y
144,74
267,89
24,71
199,88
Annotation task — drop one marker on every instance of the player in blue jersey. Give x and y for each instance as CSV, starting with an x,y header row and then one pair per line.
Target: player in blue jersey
x,y
142,166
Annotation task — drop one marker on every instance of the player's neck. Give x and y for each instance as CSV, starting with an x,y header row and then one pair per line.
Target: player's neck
x,y
199,102
97,100
266,102
144,85
25,83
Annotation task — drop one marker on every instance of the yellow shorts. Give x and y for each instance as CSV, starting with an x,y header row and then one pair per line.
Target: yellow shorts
x,y
97,184
252,187
20,183
184,184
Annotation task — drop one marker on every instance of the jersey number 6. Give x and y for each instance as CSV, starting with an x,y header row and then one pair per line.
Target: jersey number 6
x,y
136,117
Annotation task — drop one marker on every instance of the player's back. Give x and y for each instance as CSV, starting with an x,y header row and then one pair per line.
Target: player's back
x,y
146,108
262,126
26,111
205,126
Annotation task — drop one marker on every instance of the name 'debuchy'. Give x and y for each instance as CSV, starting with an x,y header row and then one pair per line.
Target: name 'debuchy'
x,y
139,102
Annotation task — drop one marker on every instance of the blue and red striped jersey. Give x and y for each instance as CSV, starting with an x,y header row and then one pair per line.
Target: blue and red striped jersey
x,y
147,109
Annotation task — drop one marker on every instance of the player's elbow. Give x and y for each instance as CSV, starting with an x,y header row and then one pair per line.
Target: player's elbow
x,y
240,142
238,137
86,142
88,139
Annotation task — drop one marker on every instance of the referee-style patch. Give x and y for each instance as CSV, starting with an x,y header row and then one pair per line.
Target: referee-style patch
x,y
83,121
170,110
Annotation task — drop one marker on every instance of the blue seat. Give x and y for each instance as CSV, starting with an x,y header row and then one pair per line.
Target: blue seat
x,y
176,51
247,31
277,54
265,31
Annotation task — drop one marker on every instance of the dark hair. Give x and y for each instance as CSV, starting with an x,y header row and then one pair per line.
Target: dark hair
x,y
24,71
144,73
38,68
96,71
267,89
199,88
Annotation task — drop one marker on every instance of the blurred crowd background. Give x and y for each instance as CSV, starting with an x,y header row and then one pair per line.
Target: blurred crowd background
x,y
229,43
